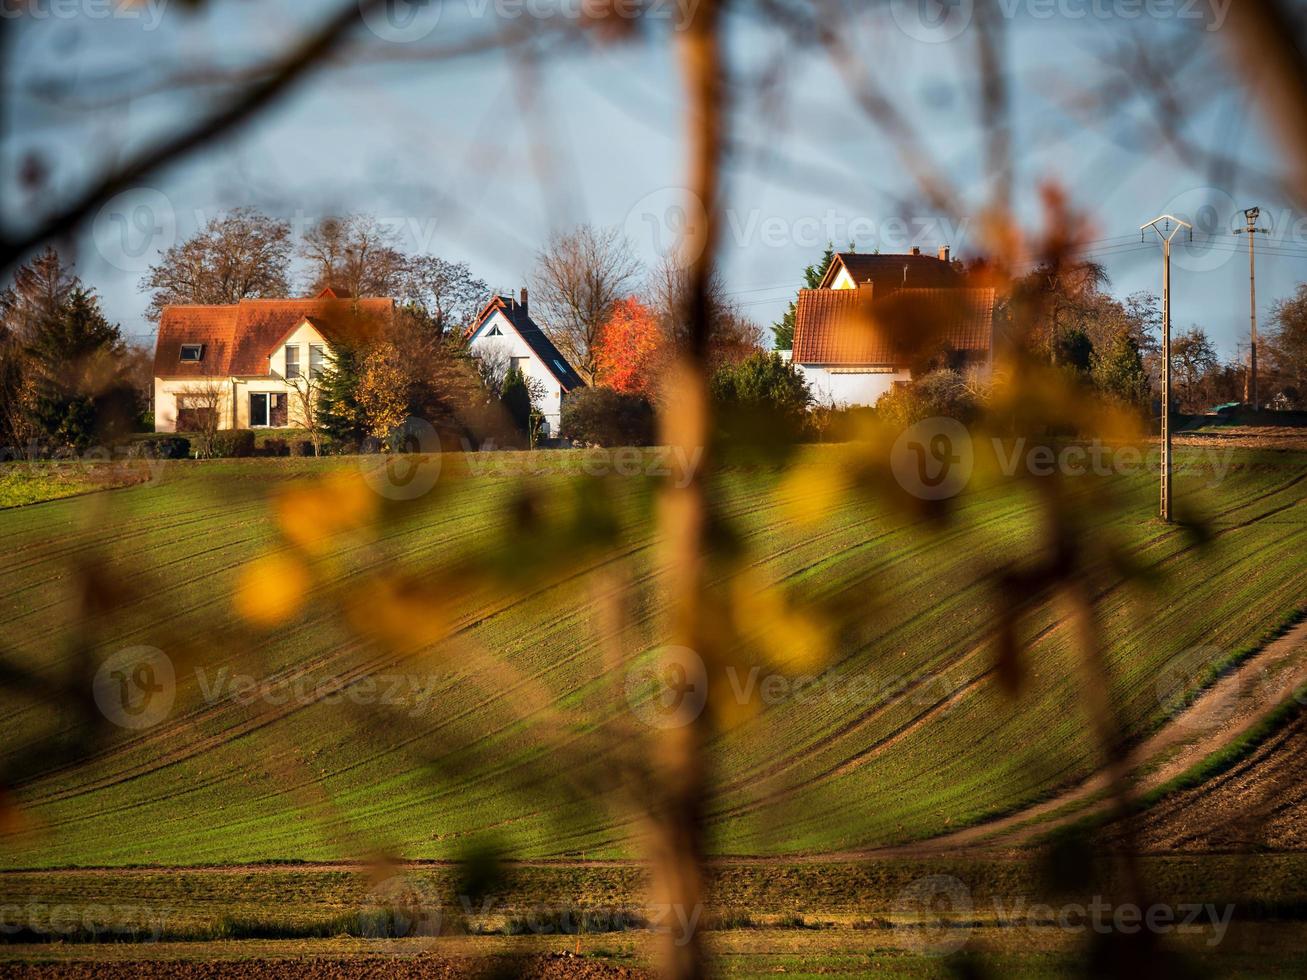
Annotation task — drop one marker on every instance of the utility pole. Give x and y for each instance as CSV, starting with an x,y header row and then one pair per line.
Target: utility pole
x,y
1165,231
1252,231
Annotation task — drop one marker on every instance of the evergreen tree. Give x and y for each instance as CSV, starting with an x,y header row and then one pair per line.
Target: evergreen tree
x,y
82,392
340,414
516,399
783,330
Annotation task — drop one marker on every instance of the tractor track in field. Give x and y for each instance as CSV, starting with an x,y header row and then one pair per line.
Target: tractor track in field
x,y
959,838
303,669
928,712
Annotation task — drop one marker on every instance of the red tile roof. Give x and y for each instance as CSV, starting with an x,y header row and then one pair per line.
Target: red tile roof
x,y
845,326
893,270
239,338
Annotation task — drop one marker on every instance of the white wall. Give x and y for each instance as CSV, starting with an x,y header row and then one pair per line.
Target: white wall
x,y
843,389
511,344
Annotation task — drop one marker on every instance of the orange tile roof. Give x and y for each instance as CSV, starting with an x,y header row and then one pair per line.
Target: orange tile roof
x,y
239,338
846,327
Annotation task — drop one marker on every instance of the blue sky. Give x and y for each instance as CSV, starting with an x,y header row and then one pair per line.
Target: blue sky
x,y
481,159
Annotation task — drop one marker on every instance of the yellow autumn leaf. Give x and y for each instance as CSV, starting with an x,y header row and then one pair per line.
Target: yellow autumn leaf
x,y
271,590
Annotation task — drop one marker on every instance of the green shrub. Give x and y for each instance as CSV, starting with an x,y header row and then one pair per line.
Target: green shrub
x,y
943,394
603,417
233,443
304,447
275,447
162,447
762,405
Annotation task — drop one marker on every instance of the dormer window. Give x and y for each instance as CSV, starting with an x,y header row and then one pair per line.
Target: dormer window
x,y
192,352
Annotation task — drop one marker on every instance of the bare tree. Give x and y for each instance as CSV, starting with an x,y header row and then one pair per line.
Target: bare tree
x,y
203,407
307,389
355,254
578,277
445,292
242,254
733,336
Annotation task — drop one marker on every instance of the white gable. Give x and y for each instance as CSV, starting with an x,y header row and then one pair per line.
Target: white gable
x,y
497,336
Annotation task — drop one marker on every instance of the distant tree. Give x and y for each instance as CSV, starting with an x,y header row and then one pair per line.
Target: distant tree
x,y
446,293
783,329
355,254
204,404
241,254
1285,352
606,417
762,397
945,394
1193,358
340,413
734,337
1117,369
1072,348
28,306
82,390
520,398
39,291
631,349
579,276
383,389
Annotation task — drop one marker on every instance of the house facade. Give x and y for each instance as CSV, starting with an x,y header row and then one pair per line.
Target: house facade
x,y
253,363
504,330
874,319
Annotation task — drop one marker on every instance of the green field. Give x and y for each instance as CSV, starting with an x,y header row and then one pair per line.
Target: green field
x,y
223,779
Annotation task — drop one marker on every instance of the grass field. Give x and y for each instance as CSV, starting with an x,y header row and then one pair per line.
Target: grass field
x,y
224,780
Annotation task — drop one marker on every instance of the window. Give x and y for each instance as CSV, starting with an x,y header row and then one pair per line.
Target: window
x,y
268,408
518,364
292,361
192,352
317,360
494,332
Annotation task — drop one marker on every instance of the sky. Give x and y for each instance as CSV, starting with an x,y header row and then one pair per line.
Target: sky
x,y
481,159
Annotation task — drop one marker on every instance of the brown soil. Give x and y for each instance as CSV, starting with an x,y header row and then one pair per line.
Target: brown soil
x,y
1260,804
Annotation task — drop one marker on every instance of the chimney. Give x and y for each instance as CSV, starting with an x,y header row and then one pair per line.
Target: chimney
x,y
523,304
943,253
916,249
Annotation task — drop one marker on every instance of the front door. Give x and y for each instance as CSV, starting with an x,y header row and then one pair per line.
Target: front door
x,y
258,409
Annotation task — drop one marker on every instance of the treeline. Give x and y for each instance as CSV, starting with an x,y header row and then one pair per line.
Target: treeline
x,y
68,378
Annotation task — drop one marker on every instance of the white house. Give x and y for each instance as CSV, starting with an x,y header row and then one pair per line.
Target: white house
x,y
504,329
874,318
251,362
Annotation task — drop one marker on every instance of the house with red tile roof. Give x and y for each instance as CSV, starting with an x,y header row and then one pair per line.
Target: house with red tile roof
x,y
877,319
253,361
504,331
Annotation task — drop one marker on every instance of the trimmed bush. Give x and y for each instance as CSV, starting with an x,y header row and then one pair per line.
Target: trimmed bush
x,y
275,447
304,447
603,417
233,443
